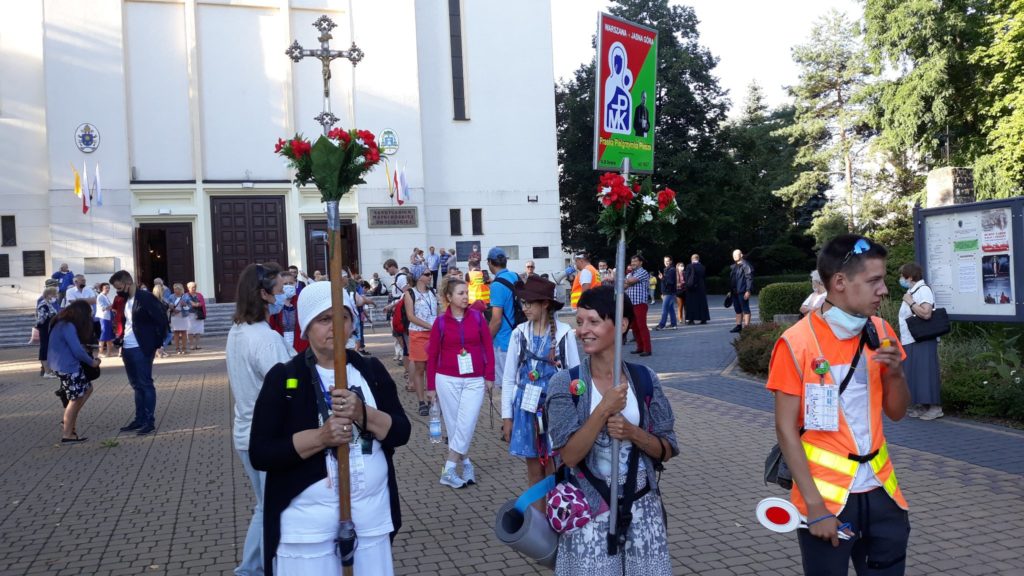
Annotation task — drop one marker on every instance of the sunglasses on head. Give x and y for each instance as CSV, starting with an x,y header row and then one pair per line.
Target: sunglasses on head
x,y
862,246
263,279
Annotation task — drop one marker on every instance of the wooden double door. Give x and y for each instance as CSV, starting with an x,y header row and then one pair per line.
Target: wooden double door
x,y
246,230
164,250
317,251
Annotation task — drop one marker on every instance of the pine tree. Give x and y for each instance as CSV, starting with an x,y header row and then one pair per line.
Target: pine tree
x,y
829,121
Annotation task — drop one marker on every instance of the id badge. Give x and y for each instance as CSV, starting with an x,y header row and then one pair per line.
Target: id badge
x,y
821,407
332,469
357,471
531,397
465,363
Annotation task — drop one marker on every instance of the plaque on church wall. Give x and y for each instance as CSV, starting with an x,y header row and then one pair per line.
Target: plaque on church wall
x,y
392,217
33,263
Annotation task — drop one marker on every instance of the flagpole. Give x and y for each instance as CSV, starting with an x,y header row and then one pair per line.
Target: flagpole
x,y
613,483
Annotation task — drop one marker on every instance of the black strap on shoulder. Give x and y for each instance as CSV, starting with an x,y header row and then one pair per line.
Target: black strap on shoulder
x,y
511,289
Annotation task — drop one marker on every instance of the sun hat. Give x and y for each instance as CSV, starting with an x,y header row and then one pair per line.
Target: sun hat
x,y
537,288
314,299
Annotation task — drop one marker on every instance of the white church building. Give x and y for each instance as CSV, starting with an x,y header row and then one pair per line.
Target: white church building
x,y
180,102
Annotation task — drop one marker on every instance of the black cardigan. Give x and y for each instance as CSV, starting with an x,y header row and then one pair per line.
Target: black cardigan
x,y
281,412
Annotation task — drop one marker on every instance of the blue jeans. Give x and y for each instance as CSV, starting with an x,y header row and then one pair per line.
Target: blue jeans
x,y
252,552
668,309
139,367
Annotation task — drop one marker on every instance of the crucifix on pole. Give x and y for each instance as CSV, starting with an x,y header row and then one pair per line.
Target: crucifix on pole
x,y
325,55
346,537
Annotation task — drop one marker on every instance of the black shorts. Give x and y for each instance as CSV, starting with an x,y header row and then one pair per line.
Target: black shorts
x,y
740,304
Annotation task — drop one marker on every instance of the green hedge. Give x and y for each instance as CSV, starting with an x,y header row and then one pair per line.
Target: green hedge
x,y
720,284
754,347
782,298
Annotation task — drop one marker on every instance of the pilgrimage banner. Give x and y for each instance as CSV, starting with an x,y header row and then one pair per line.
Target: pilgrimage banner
x,y
627,57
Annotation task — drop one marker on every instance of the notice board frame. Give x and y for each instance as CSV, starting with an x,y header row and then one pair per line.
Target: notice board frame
x,y
1016,252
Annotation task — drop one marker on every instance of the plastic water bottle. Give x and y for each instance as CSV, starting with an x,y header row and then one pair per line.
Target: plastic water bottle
x,y
435,423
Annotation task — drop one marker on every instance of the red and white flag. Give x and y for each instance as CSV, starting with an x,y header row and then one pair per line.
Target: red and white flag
x,y
398,189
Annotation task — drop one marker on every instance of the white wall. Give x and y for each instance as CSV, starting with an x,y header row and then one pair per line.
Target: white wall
x,y
85,82
506,151
160,124
24,170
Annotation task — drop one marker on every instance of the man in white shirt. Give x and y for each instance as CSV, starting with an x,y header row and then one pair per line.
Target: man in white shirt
x,y
79,291
434,265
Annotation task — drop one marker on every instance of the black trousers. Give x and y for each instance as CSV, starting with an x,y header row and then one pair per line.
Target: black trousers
x,y
879,548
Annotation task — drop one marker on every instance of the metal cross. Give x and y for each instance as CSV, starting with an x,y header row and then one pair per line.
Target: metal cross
x,y
325,55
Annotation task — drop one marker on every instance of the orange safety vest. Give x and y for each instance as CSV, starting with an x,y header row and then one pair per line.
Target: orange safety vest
x,y
577,288
828,452
478,289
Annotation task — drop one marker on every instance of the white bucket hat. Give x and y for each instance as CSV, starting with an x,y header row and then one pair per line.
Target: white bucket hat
x,y
314,299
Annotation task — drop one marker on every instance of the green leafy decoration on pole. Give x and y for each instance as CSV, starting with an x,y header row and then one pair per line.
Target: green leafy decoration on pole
x,y
335,163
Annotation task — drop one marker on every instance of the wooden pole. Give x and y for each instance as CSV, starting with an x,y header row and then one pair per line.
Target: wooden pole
x,y
340,381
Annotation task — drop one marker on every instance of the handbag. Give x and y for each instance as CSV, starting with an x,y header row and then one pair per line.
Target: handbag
x,y
200,312
567,508
930,329
728,301
90,372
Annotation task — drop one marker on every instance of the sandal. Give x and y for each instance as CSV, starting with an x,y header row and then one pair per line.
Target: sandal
x,y
73,440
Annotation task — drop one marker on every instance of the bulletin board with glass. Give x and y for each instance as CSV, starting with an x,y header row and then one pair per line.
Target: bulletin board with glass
x,y
967,251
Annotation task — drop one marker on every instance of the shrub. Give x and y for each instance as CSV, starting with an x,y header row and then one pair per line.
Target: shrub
x,y
782,298
754,347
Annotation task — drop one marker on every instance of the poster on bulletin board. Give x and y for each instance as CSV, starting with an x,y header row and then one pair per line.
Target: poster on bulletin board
x,y
969,258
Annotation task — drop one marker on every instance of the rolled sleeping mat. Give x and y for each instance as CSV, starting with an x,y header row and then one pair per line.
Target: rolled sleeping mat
x,y
527,532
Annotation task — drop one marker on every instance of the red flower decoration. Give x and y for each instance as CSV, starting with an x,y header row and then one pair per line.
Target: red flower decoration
x,y
280,144
366,136
612,190
665,198
300,148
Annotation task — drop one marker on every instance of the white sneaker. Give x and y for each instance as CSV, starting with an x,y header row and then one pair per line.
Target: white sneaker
x,y
915,411
449,478
468,473
932,413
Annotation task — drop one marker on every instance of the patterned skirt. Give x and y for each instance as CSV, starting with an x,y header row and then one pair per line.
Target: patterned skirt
x,y
74,385
584,552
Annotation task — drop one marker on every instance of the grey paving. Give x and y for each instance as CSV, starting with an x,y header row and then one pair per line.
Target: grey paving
x,y
178,502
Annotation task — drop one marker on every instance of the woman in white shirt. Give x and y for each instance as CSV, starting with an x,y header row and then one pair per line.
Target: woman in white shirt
x,y
922,363
299,419
421,310
104,303
253,348
817,297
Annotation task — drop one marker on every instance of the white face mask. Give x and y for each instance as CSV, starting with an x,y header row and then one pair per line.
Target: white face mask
x,y
843,324
289,290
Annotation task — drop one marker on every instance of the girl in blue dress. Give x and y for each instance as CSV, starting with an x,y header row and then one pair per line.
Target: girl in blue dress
x,y
538,348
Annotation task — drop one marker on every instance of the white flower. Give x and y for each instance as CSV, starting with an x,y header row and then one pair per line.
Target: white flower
x,y
648,216
650,201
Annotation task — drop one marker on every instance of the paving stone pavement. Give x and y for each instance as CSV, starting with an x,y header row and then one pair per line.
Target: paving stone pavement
x,y
178,502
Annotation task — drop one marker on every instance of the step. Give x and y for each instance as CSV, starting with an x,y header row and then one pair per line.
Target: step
x,y
16,325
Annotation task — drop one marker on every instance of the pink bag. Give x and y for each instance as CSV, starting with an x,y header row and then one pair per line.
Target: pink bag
x,y
567,508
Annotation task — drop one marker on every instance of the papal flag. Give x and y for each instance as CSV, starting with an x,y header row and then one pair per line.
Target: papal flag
x,y
78,181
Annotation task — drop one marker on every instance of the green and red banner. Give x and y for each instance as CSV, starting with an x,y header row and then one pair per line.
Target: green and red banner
x,y
627,58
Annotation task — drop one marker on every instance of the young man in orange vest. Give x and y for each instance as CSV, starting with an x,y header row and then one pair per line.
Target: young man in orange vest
x,y
587,277
845,484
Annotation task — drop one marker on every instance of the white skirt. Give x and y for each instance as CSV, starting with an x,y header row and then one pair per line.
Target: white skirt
x,y
195,326
373,558
178,323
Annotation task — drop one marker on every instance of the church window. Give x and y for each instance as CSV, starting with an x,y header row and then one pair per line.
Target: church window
x,y
455,216
458,64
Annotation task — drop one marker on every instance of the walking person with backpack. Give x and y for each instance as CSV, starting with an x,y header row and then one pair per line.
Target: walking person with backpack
x,y
585,413
419,309
395,293
460,364
538,349
506,313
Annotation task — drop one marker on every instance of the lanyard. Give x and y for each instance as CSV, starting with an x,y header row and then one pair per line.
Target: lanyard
x,y
462,333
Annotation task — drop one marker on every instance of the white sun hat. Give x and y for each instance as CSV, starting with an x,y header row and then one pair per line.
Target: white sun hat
x,y
314,299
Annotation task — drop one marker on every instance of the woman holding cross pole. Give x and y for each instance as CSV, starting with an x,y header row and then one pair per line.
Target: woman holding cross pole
x,y
299,419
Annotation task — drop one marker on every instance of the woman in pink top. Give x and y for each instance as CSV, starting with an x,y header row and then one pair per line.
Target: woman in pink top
x,y
460,359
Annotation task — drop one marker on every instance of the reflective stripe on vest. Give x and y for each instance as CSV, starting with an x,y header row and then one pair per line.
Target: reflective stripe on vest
x,y
831,492
577,287
478,289
840,464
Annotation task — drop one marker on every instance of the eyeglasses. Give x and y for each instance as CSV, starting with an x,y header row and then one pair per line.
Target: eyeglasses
x,y
529,267
862,246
